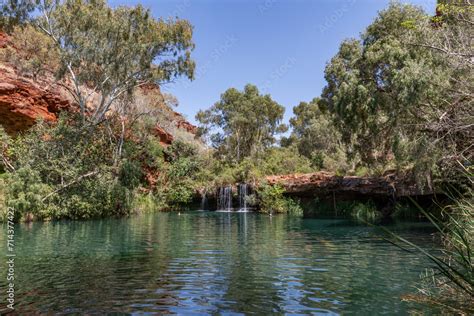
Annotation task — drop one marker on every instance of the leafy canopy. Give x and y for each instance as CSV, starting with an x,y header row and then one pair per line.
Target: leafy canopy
x,y
243,123
381,90
315,136
110,50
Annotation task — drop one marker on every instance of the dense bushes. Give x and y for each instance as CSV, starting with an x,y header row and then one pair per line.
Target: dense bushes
x,y
64,171
316,137
449,284
272,161
271,200
68,171
178,182
33,53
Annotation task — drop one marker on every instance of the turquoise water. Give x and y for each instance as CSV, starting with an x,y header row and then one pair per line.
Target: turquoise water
x,y
212,263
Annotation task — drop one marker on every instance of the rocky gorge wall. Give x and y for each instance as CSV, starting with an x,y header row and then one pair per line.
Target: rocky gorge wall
x,y
321,183
25,99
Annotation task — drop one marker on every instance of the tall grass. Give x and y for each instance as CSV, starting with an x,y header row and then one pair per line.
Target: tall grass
x,y
450,284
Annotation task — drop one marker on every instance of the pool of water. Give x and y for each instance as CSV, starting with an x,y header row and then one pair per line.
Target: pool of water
x,y
212,263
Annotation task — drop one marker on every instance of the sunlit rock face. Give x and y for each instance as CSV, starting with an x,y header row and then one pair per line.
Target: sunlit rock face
x,y
165,137
181,123
23,101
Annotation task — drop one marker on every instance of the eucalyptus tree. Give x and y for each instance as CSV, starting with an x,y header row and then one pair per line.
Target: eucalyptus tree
x,y
313,130
15,12
450,37
403,91
379,90
243,123
108,51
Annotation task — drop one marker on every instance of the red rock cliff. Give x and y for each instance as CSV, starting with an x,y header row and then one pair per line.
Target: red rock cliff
x,y
321,183
24,100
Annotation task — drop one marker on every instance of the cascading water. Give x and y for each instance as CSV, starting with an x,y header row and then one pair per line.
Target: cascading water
x,y
204,203
243,193
224,201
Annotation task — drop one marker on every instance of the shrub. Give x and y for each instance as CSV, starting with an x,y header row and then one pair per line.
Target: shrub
x,y
32,54
450,285
64,171
283,161
25,192
130,174
147,202
271,200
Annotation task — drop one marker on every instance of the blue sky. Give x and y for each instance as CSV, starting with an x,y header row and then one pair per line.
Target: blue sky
x,y
282,46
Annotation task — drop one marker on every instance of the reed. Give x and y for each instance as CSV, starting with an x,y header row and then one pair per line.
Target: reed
x,y
450,284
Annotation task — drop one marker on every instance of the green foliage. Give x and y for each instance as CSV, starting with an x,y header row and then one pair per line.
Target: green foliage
x,y
130,174
399,99
116,43
180,150
145,149
271,200
316,137
66,171
113,50
313,128
33,52
375,83
282,161
15,12
273,161
294,207
24,194
63,171
450,285
147,203
179,177
92,170
242,124
179,196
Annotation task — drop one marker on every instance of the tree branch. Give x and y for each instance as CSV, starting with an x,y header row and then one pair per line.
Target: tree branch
x,y
84,176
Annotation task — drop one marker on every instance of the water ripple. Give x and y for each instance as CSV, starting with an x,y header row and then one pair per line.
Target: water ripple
x,y
211,263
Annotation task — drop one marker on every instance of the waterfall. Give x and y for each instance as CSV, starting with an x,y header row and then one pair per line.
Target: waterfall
x,y
224,197
204,204
224,201
243,192
228,198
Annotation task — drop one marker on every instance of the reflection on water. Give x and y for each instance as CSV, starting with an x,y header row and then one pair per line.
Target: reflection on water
x,y
204,262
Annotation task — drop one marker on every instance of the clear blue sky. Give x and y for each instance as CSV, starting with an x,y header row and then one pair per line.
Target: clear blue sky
x,y
282,46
